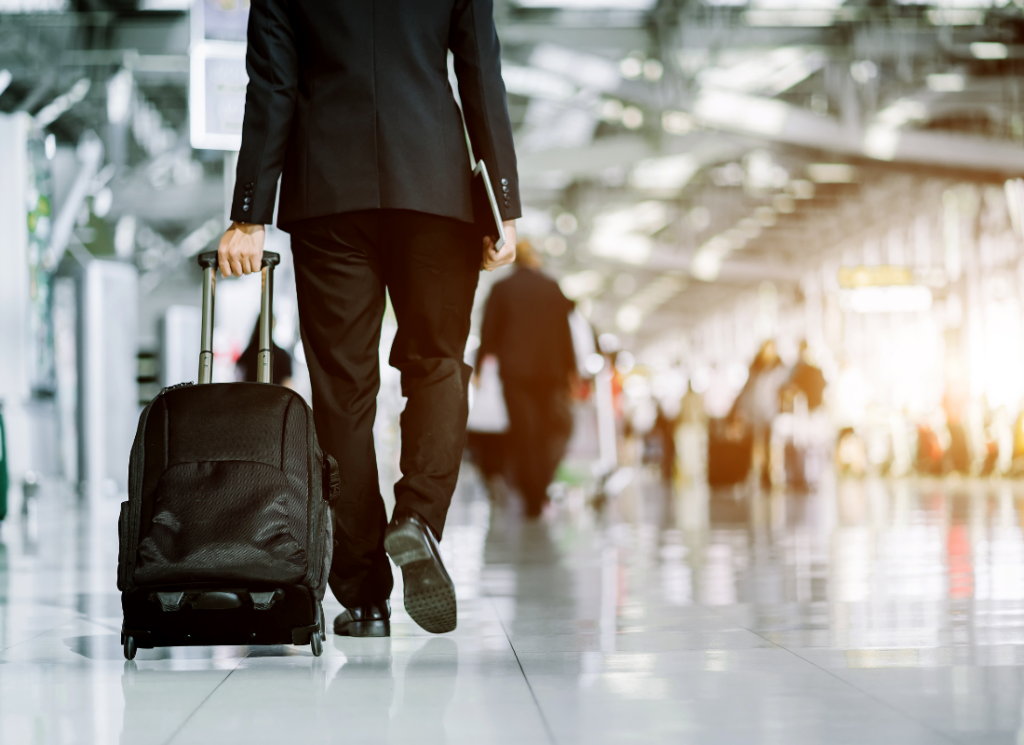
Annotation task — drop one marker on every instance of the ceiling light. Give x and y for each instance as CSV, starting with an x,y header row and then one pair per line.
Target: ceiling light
x,y
631,68
747,113
832,173
611,110
677,122
566,223
863,71
632,117
120,88
949,82
881,142
609,343
653,70
989,50
671,173
629,318
699,218
646,217
707,261
555,245
706,267
796,17
628,248
581,284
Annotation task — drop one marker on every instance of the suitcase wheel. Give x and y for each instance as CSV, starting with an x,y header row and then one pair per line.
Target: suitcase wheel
x,y
316,639
129,648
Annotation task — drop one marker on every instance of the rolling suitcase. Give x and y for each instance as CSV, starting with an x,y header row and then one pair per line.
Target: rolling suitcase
x,y
226,535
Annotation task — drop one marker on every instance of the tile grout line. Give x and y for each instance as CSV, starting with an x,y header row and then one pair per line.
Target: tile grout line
x,y
203,702
533,695
873,697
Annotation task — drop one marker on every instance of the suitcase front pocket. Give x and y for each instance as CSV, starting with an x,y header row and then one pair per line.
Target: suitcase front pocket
x,y
235,521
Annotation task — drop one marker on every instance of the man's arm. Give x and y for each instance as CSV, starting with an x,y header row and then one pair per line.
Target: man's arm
x,y
473,40
272,64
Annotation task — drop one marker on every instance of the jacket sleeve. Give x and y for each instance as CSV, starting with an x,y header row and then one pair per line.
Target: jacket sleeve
x,y
473,40
272,64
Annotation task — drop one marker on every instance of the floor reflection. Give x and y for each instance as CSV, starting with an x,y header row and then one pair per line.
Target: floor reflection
x,y
868,611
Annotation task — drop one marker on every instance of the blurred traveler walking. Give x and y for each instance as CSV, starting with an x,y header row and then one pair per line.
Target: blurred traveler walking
x,y
351,101
758,404
808,378
245,368
526,326
691,437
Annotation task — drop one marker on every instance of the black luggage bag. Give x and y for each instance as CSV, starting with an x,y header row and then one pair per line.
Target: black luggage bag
x,y
730,452
226,536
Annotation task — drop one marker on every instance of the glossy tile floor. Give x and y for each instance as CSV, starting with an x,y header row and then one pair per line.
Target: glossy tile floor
x,y
870,612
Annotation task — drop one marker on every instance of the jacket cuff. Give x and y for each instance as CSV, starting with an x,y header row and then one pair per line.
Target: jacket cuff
x,y
507,195
250,205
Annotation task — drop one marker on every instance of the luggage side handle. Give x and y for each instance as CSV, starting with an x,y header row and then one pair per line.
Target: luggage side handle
x,y
208,262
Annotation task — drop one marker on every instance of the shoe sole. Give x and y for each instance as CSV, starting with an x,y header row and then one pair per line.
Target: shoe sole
x,y
364,629
429,594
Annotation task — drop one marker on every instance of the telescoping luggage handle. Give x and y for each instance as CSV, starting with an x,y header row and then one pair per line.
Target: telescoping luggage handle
x,y
264,361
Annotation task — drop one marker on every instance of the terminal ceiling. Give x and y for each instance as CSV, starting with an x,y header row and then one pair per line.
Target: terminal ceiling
x,y
648,131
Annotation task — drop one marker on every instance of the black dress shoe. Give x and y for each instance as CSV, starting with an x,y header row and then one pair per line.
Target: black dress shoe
x,y
429,591
366,620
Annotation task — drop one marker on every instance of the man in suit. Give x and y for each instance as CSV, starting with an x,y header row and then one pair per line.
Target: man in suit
x,y
526,326
349,102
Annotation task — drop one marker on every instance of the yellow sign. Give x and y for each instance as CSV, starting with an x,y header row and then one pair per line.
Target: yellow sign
x,y
851,277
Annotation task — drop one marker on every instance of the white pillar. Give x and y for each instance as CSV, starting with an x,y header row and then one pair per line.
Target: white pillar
x,y
110,389
14,289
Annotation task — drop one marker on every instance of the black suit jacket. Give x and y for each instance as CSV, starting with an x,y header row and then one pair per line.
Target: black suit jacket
x,y
350,99
526,325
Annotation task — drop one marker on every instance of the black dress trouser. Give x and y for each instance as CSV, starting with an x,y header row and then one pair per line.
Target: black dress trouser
x,y
429,266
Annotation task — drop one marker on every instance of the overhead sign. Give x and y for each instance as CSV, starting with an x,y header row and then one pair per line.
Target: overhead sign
x,y
217,77
851,277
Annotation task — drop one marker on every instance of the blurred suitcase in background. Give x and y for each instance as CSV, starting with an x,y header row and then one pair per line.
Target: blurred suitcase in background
x,y
730,452
226,535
